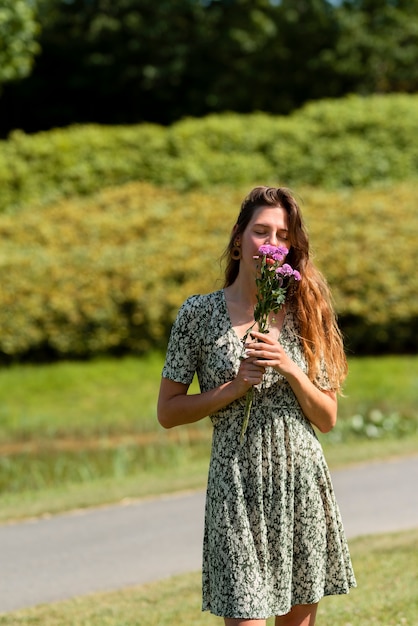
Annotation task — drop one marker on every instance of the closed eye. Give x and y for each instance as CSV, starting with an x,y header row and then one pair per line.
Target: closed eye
x,y
282,234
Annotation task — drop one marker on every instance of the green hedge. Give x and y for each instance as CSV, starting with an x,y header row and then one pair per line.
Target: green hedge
x,y
351,142
107,274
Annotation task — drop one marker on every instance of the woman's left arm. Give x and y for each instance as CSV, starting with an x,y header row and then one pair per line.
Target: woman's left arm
x,y
318,405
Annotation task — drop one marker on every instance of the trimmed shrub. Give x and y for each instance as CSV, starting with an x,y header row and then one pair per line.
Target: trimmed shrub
x,y
363,241
107,274
350,142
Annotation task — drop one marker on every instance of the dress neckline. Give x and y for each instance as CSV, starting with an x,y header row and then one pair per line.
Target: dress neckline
x,y
231,327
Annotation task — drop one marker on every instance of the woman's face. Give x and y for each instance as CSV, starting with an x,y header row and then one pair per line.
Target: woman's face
x,y
268,225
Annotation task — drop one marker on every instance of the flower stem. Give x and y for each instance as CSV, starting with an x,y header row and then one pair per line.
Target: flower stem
x,y
249,401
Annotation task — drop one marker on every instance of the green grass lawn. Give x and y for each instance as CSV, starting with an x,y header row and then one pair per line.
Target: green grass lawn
x,y
79,399
386,568
77,434
115,396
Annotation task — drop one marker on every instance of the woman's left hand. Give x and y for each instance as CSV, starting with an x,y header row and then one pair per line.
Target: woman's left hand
x,y
318,405
269,352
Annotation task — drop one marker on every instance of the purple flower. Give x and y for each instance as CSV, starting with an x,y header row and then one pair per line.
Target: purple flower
x,y
296,275
285,270
278,253
266,250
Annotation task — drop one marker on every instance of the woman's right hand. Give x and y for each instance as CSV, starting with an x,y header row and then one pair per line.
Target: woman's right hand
x,y
249,374
176,406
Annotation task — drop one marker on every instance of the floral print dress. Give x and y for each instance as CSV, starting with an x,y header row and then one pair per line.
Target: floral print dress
x,y
273,532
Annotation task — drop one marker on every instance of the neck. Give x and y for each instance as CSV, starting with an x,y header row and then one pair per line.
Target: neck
x,y
244,293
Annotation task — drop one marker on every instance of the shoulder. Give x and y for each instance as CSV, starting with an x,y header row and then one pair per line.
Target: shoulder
x,y
201,302
198,307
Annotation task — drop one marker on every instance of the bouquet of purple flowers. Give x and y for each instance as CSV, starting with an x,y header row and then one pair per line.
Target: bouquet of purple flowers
x,y
273,280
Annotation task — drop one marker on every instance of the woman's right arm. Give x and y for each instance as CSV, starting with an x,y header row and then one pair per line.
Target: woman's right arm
x,y
176,407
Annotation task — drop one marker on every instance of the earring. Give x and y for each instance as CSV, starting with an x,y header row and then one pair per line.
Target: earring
x,y
236,251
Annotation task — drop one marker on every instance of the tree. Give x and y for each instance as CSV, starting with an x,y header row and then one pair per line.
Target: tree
x,y
18,39
108,62
129,61
377,46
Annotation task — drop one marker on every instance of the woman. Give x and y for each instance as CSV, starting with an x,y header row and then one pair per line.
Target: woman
x,y
274,542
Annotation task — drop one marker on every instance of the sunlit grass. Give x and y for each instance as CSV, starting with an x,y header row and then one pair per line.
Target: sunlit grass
x,y
188,473
389,383
79,398
78,434
386,568
119,395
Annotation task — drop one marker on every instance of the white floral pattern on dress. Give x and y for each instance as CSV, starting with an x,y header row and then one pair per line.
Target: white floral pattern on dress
x,y
273,531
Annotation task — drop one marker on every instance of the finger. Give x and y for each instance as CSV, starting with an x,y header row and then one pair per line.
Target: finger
x,y
262,337
265,361
254,380
264,351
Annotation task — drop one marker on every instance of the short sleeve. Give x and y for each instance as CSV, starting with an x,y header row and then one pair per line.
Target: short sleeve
x,y
322,380
183,346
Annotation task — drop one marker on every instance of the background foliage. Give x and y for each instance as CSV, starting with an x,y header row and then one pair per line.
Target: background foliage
x,y
351,142
108,273
18,39
131,61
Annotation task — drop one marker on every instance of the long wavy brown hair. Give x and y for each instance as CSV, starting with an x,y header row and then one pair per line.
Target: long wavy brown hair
x,y
310,298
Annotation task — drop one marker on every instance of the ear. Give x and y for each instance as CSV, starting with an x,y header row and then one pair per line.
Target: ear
x,y
235,230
